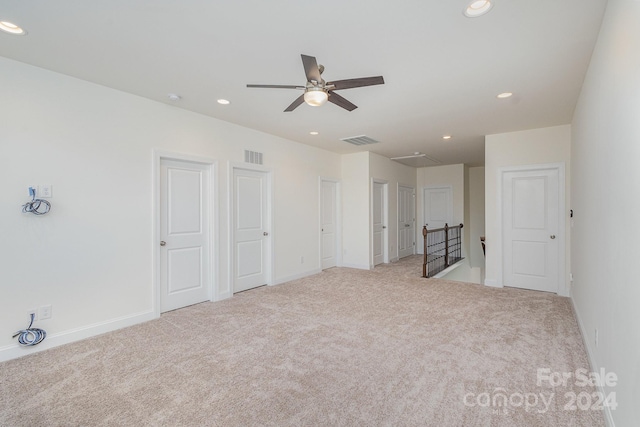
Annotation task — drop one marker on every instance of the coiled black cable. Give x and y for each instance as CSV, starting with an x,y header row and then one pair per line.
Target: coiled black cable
x,y
30,336
36,207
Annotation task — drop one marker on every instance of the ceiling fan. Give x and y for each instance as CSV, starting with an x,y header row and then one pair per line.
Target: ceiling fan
x,y
317,91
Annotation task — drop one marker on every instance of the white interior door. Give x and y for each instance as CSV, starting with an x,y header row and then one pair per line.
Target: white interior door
x,y
379,217
185,265
531,232
438,206
328,217
251,221
406,221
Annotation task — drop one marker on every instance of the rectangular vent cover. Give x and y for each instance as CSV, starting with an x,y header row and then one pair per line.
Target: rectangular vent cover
x,y
253,157
359,140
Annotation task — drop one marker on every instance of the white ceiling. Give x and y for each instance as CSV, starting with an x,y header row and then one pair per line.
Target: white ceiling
x,y
442,70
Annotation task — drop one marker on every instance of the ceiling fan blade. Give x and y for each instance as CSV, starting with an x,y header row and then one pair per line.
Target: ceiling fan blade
x,y
295,104
351,83
277,86
311,69
341,102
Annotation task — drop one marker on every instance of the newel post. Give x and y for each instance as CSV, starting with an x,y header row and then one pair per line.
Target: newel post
x,y
446,245
424,262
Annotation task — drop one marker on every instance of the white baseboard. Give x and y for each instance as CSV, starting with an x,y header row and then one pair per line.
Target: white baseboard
x,y
448,270
222,296
358,266
608,417
54,340
395,259
285,279
492,283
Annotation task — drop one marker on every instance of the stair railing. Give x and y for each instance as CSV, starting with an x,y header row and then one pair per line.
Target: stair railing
x,y
442,248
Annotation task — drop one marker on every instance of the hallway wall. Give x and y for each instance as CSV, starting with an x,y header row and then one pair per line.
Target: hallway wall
x,y
605,149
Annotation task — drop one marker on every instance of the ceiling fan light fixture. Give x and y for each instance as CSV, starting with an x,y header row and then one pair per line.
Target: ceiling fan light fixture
x,y
477,8
315,96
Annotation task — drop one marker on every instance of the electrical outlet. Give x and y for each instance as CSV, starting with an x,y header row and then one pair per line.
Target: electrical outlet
x,y
301,260
45,312
45,191
34,312
596,337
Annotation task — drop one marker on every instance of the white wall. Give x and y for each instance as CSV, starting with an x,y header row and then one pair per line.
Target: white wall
x,y
466,231
394,173
605,197
91,256
452,175
529,147
358,172
476,221
355,210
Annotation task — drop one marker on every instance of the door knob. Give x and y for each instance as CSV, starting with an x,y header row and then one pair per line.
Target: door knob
x,y
384,226
265,234
553,236
163,243
407,225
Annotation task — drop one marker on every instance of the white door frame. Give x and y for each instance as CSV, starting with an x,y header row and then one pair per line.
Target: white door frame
x,y
562,282
412,187
232,166
385,233
338,206
158,156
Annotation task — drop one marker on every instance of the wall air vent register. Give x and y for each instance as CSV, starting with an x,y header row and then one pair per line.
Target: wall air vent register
x,y
253,157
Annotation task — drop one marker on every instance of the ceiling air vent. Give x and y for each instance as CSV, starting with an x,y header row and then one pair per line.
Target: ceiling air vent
x,y
253,157
417,160
359,140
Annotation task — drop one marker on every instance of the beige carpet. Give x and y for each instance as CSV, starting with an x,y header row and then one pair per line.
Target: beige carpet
x,y
341,348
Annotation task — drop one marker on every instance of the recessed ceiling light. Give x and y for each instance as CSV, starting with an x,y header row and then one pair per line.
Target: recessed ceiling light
x,y
11,28
313,132
446,137
504,95
173,97
477,8
223,102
